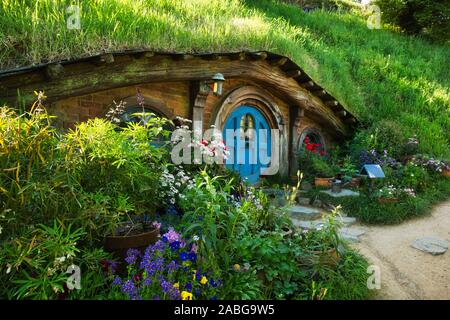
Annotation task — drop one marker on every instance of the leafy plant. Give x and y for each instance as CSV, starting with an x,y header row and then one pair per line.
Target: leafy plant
x,y
36,263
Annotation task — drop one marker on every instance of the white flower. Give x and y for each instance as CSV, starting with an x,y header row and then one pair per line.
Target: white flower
x,y
195,238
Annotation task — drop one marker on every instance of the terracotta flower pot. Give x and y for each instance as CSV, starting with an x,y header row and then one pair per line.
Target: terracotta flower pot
x,y
323,182
387,200
446,173
355,182
120,244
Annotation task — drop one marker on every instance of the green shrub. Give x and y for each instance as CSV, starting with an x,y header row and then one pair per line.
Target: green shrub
x,y
418,17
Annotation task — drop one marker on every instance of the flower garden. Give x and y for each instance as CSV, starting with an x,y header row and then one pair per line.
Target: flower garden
x,y
216,238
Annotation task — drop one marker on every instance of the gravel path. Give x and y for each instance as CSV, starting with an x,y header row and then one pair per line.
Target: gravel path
x,y
407,273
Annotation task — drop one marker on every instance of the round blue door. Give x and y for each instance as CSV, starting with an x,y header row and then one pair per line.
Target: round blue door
x,y
247,135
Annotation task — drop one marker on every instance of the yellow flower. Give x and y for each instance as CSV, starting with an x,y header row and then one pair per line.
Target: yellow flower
x,y
203,280
186,295
186,263
237,267
193,275
176,285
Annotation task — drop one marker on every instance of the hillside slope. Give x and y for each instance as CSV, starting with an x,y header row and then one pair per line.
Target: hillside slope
x,y
398,86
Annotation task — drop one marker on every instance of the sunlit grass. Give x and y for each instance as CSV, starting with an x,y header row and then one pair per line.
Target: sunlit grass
x,y
377,74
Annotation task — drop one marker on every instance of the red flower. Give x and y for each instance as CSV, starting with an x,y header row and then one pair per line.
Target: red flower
x,y
314,151
309,147
204,142
322,153
306,140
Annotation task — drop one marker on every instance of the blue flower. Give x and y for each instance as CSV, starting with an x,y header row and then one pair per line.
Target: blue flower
x,y
175,245
193,256
212,282
189,286
184,256
164,238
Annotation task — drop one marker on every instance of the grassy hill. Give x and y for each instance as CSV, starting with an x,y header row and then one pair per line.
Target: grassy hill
x,y
396,85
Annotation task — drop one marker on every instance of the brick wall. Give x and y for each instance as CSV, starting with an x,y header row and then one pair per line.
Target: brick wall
x,y
174,95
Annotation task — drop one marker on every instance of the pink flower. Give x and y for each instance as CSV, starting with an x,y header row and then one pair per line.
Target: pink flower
x,y
194,248
156,224
172,235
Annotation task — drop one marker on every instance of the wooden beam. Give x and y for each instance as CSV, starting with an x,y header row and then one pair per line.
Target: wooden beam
x,y
331,103
104,59
320,93
81,79
308,84
351,120
258,55
278,62
341,113
54,71
238,56
293,73
184,57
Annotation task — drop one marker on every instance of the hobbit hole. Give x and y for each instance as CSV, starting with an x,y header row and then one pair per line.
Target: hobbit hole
x,y
259,90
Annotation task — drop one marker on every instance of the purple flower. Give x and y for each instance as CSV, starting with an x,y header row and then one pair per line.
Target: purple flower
x,y
117,281
147,281
151,267
132,256
172,266
168,288
189,286
130,289
172,236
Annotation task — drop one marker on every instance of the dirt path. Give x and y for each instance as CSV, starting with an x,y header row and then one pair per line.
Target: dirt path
x,y
407,273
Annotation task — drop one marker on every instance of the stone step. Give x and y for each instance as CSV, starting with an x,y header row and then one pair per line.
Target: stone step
x,y
343,193
305,212
351,234
435,246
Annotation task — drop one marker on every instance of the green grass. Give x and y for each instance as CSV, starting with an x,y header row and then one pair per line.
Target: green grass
x,y
377,74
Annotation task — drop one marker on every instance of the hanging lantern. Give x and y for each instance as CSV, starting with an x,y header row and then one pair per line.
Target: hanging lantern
x,y
218,83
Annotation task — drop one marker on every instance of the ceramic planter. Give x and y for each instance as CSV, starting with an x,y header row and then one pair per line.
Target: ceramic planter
x,y
120,244
323,182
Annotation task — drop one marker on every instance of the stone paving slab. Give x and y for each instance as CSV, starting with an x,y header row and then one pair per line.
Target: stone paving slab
x,y
343,193
351,234
431,245
304,212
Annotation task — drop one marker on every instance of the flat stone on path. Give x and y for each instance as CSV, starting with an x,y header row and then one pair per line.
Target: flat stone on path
x,y
343,193
351,234
304,212
308,225
431,245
